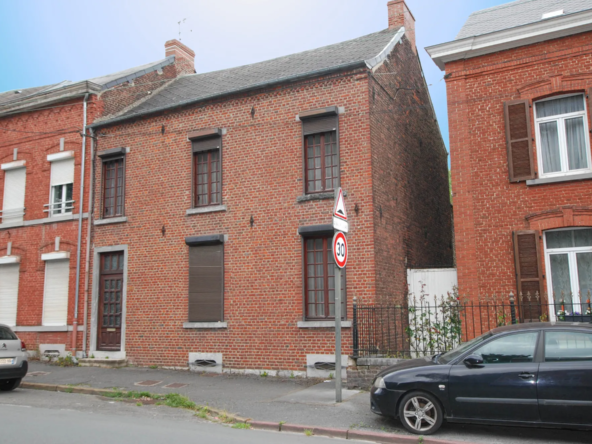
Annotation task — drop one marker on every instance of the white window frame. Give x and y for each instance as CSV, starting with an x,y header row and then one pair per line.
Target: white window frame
x,y
573,270
63,206
560,119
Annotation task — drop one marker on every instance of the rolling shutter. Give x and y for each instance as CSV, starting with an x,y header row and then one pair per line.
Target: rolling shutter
x,y
206,283
9,282
519,140
528,273
14,195
62,172
206,144
55,297
319,125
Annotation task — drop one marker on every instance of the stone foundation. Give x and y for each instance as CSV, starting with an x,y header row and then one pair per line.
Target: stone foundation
x,y
361,371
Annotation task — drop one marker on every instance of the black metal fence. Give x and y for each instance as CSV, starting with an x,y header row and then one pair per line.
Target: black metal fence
x,y
431,325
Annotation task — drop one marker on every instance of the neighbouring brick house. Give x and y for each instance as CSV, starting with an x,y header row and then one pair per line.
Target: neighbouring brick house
x,y
519,78
219,237
43,206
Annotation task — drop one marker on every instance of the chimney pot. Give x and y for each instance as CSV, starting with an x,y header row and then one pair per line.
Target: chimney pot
x,y
400,15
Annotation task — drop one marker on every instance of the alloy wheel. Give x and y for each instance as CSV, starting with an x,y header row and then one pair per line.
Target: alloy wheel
x,y
420,413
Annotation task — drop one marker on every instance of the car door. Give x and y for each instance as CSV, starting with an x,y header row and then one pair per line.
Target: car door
x,y
504,386
565,378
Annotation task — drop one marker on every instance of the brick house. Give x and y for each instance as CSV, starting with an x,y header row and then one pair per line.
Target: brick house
x,y
45,179
519,77
219,240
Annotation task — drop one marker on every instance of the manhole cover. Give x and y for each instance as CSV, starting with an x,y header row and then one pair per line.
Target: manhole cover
x,y
37,373
175,385
148,383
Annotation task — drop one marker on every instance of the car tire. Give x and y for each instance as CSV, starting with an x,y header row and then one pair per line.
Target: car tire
x,y
9,384
420,413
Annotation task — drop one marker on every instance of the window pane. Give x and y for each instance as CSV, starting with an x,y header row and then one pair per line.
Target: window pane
x,y
585,278
583,238
560,239
568,346
561,279
509,349
68,206
550,147
576,143
556,107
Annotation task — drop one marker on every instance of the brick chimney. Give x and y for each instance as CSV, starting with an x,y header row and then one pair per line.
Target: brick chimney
x,y
184,56
400,15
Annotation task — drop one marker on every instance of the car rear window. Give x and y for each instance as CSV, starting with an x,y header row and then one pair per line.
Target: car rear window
x,y
6,334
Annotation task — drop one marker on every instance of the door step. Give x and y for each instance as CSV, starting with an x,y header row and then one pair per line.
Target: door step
x,y
104,363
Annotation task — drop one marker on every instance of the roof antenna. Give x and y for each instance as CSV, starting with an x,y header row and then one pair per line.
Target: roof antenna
x,y
181,22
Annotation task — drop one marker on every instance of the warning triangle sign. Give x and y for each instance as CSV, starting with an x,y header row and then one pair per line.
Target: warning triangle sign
x,y
339,208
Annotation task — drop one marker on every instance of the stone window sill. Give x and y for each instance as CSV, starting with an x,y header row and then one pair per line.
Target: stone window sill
x,y
202,210
317,196
46,328
323,324
205,325
568,178
46,220
111,220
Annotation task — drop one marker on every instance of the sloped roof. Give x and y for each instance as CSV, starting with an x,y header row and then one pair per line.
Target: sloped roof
x,y
197,87
19,94
517,13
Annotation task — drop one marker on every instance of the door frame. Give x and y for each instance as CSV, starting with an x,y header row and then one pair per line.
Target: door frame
x,y
95,302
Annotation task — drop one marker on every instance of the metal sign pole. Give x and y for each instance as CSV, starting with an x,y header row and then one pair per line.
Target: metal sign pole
x,y
338,272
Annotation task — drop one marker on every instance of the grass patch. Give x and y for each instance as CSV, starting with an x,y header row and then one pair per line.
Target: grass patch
x,y
171,399
241,425
308,432
153,366
139,404
179,401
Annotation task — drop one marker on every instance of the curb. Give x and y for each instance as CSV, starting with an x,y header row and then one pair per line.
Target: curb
x,y
362,435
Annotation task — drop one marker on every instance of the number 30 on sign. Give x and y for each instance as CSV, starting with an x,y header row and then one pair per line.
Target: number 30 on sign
x,y
340,249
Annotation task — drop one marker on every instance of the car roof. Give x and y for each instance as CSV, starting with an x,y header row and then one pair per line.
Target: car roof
x,y
542,325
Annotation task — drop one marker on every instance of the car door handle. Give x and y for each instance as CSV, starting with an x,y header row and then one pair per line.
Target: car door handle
x,y
526,375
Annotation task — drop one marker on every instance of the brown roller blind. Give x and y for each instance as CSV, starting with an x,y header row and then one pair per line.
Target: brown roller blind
x,y
519,140
528,273
319,125
206,144
206,283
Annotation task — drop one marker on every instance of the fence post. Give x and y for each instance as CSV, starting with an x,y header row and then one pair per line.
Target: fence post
x,y
512,308
355,329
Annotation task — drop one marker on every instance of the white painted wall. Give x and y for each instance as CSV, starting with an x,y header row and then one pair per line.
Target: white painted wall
x,y
434,281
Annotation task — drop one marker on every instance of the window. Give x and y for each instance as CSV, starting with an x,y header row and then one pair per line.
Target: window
x,y
320,279
322,163
207,178
569,264
206,278
113,187
568,346
562,136
9,283
55,295
509,349
62,179
13,208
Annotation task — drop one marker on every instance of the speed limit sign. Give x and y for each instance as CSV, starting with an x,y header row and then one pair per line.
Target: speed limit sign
x,y
340,249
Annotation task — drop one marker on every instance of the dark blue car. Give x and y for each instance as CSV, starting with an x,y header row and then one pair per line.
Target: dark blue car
x,y
537,374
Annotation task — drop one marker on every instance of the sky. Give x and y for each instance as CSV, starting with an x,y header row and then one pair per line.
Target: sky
x,y
45,42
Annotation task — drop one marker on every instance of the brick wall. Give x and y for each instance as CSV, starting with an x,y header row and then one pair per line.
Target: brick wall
x,y
409,175
487,206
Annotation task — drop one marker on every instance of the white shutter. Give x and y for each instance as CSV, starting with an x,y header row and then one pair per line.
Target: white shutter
x,y
62,172
14,195
55,297
9,282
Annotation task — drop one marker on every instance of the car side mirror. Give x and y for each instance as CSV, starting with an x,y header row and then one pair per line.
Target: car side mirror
x,y
473,361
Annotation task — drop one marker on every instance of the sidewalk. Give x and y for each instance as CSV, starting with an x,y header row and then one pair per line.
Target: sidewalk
x,y
295,401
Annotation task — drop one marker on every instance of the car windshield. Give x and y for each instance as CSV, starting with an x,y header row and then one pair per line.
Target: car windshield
x,y
453,354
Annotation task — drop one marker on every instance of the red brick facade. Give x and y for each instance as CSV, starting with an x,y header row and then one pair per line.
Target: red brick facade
x,y
488,208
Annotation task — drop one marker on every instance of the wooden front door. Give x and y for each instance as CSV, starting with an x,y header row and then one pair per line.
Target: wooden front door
x,y
110,302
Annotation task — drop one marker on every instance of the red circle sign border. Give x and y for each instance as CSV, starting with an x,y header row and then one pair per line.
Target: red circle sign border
x,y
335,238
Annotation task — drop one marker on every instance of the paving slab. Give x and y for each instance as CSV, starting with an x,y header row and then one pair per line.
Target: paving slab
x,y
322,393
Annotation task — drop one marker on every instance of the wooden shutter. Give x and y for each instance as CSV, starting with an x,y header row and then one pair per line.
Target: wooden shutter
x,y
55,296
519,140
206,283
528,273
319,125
14,195
9,282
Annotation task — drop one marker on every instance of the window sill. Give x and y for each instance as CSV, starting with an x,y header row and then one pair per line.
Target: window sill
x,y
205,325
317,196
111,220
202,210
569,178
45,328
323,324
47,220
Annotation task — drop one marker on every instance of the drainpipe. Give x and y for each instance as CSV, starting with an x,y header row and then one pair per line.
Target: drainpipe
x,y
80,213
91,205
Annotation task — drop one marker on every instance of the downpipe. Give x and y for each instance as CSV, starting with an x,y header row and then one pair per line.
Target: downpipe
x,y
91,205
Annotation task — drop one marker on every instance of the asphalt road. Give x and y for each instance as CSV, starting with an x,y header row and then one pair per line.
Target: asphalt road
x,y
30,416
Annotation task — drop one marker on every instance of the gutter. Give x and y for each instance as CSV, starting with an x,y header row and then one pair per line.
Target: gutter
x,y
290,79
79,246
